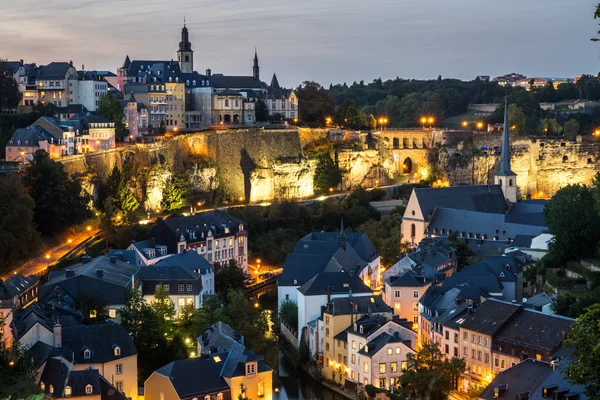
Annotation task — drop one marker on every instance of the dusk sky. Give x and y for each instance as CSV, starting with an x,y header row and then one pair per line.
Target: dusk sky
x,y
329,41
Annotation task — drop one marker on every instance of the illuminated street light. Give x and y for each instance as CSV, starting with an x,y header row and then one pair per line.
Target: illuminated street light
x,y
70,241
119,217
88,228
295,120
256,305
258,260
480,125
465,124
241,198
597,132
187,341
47,256
11,363
330,190
423,120
431,120
175,129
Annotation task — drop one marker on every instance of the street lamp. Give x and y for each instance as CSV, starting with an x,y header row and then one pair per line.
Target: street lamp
x,y
175,129
597,132
465,124
330,190
479,125
70,241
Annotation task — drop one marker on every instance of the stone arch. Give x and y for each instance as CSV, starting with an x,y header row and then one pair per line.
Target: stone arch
x,y
407,166
227,118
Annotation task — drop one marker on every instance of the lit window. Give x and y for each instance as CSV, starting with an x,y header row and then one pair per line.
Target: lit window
x,y
538,357
217,359
89,389
382,368
394,366
261,389
51,389
68,390
117,351
390,351
112,313
366,368
397,350
42,386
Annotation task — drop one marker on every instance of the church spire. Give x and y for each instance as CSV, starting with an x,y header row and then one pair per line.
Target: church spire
x,y
255,68
185,54
505,164
505,177
342,236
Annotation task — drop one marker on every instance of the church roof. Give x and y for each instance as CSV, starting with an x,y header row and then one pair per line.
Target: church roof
x,y
480,198
274,83
220,81
126,63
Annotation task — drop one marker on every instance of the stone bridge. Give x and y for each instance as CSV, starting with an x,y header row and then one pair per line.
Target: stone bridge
x,y
408,148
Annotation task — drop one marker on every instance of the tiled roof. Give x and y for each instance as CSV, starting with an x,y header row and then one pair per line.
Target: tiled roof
x,y
482,198
337,282
57,374
375,345
220,81
190,260
526,376
16,284
174,276
54,70
491,316
220,337
30,136
357,305
408,279
100,339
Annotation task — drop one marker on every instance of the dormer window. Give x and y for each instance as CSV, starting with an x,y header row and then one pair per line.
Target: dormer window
x,y
68,390
88,389
51,389
87,354
361,329
194,82
355,327
42,386
117,350
251,368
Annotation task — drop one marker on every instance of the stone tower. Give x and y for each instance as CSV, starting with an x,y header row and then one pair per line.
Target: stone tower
x,y
505,177
185,55
255,68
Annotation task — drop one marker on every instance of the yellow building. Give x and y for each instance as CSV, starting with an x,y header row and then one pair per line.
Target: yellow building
x,y
339,314
107,348
175,105
224,376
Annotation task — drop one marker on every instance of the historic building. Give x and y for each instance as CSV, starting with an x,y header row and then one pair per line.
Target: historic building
x,y
179,98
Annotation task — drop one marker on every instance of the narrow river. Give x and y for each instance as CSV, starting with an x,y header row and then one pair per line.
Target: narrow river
x,y
293,383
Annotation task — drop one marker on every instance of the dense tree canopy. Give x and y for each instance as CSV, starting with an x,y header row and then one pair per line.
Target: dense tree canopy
x,y
10,96
314,102
59,201
584,338
18,237
110,107
228,275
572,217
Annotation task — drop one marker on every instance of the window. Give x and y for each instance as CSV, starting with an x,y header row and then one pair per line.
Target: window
x,y
538,357
207,397
181,302
456,352
502,364
51,389
474,339
261,389
88,389
180,287
487,342
397,350
382,368
189,287
447,335
473,354
119,369
479,355
397,294
479,339
353,359
496,362
447,349
353,344
390,351
352,375
112,313
466,336
366,367
394,366
117,351
456,338
487,358
68,390
327,346
326,320
416,294
404,365
327,332
339,358
219,396
250,368
416,319
339,343
87,354
415,306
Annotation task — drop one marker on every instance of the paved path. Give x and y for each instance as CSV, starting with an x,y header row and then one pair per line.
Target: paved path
x,y
39,264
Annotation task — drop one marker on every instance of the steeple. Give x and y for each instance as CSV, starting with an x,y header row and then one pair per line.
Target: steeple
x,y
255,68
505,177
342,236
185,54
274,83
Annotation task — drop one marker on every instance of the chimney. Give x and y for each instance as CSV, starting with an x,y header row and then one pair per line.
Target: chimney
x,y
21,62
86,259
382,321
69,273
113,259
208,72
328,294
57,335
100,273
71,63
396,318
83,67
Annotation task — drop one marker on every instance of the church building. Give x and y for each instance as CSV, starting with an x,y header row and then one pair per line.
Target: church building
x,y
481,213
179,98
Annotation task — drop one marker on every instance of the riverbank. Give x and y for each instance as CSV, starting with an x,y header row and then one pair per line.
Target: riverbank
x,y
311,370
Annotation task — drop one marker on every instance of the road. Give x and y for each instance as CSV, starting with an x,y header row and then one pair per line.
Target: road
x,y
39,264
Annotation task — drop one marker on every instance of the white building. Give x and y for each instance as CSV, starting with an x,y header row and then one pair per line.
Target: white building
x,y
87,88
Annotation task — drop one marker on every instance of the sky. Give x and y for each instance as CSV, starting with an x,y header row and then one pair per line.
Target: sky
x,y
328,41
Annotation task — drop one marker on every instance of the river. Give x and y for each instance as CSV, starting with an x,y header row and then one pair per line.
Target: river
x,y
293,384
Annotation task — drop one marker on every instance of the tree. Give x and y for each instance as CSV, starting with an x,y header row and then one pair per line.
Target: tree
x,y
592,89
463,252
164,310
18,376
517,119
10,96
315,103
386,237
429,374
59,201
18,237
110,107
261,111
125,201
348,116
584,338
327,174
228,275
572,129
549,126
288,313
572,217
173,193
